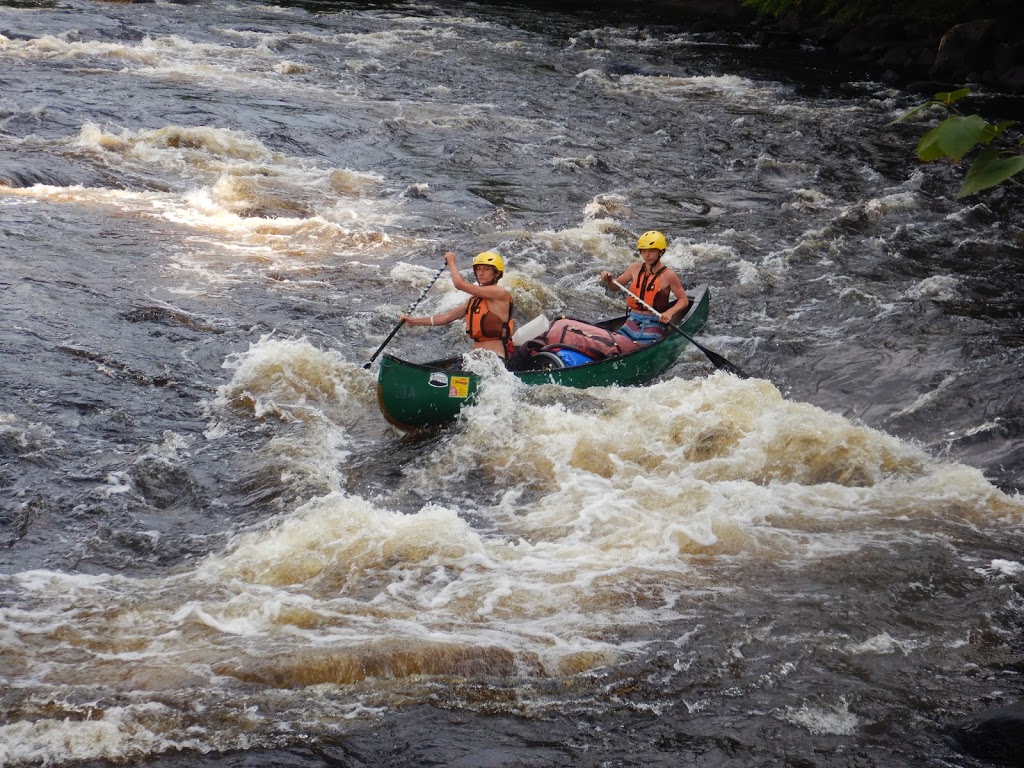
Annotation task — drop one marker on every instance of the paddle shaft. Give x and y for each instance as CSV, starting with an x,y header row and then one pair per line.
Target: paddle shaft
x,y
714,357
402,322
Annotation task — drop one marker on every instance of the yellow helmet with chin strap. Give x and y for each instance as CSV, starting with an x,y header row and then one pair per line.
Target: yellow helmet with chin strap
x,y
652,239
490,259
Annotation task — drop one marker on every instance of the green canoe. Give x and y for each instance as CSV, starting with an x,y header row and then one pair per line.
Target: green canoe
x,y
419,395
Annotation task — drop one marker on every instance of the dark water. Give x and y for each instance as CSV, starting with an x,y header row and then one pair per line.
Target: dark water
x,y
214,549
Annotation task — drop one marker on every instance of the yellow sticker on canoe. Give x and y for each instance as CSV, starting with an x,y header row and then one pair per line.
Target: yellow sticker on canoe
x,y
458,386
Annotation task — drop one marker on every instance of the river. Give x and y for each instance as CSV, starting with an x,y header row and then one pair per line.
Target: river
x,y
213,546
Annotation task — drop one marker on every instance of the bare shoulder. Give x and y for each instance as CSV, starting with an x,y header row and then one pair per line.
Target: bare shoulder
x,y
673,278
494,293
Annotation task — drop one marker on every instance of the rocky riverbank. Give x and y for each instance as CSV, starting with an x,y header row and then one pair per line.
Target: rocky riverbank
x,y
922,56
982,53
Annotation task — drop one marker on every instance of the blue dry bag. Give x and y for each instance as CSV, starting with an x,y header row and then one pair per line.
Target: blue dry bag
x,y
571,357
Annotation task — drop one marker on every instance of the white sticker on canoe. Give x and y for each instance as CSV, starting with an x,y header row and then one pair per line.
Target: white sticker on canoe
x,y
438,379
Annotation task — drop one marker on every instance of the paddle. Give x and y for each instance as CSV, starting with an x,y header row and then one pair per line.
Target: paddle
x,y
714,357
402,322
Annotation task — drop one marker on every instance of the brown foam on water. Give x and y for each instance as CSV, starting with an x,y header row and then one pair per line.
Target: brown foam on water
x,y
380,660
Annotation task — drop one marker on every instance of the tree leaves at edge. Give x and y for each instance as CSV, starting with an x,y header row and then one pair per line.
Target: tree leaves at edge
x,y
945,99
954,137
957,135
988,170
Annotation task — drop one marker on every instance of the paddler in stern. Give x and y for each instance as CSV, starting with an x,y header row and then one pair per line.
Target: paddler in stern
x,y
656,284
488,312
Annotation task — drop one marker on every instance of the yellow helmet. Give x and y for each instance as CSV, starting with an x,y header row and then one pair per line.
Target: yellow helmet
x,y
490,259
652,239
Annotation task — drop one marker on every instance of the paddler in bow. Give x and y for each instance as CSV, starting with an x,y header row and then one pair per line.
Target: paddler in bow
x,y
653,282
488,311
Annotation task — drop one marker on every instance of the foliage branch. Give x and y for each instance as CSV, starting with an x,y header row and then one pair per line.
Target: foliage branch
x,y
959,134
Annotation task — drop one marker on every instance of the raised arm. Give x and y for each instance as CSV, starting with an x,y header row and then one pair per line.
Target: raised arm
x,y
494,292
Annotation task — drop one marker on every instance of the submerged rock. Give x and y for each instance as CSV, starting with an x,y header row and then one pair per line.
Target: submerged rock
x,y
996,735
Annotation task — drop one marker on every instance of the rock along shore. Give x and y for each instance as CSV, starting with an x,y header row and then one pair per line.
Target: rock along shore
x,y
918,55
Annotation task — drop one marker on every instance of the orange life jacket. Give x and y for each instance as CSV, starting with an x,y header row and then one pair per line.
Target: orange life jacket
x,y
484,325
648,287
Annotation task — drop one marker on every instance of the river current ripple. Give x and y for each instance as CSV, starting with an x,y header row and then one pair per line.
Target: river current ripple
x,y
211,543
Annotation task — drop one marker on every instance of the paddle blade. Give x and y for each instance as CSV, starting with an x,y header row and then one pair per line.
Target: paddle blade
x,y
723,364
716,359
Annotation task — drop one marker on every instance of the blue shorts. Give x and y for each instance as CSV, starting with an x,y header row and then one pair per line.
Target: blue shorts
x,y
643,329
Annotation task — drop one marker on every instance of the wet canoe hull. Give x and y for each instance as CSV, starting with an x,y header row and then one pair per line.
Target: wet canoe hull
x,y
423,395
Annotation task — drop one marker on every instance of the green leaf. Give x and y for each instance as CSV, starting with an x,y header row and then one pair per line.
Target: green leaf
x,y
989,169
954,137
910,113
952,97
991,131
